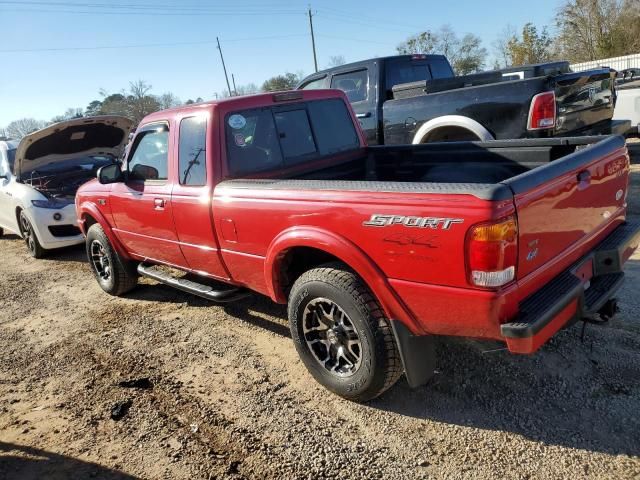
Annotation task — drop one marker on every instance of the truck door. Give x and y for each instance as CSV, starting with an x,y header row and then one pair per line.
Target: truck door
x,y
191,196
362,94
141,206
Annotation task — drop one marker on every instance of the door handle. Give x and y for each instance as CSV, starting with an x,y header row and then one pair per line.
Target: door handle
x,y
158,203
363,115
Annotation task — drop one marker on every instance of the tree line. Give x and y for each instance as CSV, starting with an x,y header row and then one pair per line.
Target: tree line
x,y
583,30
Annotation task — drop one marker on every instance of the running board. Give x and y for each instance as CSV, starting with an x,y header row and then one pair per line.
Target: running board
x,y
201,290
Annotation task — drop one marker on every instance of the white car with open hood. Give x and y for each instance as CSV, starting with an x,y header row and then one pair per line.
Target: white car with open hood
x,y
39,178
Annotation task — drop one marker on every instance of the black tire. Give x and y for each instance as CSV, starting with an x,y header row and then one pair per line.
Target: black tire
x,y
114,274
30,238
1,232
371,368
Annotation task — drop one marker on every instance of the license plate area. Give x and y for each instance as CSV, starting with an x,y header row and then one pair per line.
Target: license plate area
x,y
584,271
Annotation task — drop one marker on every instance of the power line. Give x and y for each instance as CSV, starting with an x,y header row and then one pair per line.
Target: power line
x,y
161,14
351,39
378,26
366,18
154,7
147,45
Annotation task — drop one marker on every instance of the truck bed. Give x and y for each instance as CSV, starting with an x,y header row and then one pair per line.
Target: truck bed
x,y
442,166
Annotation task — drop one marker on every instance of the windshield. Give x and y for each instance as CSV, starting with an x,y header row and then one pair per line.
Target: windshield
x,y
11,156
276,137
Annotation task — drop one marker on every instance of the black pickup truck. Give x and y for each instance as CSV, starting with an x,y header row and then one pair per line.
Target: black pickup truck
x,y
418,99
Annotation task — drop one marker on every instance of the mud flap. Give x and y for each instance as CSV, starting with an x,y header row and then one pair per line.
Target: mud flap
x,y
418,354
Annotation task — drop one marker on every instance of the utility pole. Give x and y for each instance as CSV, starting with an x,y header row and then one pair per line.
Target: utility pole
x,y
313,40
224,67
235,90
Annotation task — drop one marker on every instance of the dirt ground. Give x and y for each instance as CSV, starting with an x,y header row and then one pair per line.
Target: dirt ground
x,y
222,394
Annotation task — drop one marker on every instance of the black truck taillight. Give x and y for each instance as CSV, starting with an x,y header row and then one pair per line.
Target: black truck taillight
x,y
542,113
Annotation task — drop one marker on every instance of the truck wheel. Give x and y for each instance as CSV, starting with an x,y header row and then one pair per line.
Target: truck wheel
x,y
341,333
30,238
115,275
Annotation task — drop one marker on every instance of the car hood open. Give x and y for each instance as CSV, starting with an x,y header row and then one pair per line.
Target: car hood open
x,y
104,135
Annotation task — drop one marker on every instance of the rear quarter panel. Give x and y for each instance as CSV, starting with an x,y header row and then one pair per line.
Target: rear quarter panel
x,y
431,255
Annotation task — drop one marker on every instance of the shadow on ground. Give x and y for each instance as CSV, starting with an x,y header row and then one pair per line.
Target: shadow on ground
x,y
583,395
255,309
27,463
75,253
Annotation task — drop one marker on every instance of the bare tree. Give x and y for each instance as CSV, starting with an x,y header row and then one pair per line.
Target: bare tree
x,y
19,128
532,46
69,114
500,46
141,103
168,100
466,55
336,61
593,29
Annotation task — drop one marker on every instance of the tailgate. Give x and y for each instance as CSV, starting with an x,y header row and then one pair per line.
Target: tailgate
x,y
583,99
569,200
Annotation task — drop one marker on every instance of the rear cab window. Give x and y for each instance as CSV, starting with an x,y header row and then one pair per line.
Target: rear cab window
x,y
408,70
354,84
275,137
192,151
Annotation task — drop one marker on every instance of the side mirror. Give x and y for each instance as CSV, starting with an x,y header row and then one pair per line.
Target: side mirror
x,y
144,172
110,174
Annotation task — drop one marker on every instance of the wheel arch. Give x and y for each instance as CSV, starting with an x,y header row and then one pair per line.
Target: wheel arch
x,y
451,121
318,246
88,215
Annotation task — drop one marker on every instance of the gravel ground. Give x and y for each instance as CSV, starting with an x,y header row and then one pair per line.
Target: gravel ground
x,y
223,394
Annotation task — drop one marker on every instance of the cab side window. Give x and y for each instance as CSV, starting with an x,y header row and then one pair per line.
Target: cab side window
x,y
149,156
192,151
314,84
354,84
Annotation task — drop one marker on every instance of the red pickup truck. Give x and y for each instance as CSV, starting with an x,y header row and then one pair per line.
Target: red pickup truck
x,y
375,249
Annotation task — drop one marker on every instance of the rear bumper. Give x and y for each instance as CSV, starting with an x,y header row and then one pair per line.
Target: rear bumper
x,y
608,127
579,292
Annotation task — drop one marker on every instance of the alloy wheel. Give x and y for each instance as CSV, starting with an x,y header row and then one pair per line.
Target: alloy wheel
x,y
27,232
332,337
100,261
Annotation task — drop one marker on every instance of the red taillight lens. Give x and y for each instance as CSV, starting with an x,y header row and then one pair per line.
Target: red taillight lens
x,y
492,253
542,113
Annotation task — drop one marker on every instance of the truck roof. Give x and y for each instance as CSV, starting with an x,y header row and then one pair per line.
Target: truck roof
x,y
324,72
248,101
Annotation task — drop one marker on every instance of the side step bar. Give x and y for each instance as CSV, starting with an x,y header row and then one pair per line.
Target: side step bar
x,y
201,290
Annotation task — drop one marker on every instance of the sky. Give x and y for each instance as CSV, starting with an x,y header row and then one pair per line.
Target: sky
x,y
59,54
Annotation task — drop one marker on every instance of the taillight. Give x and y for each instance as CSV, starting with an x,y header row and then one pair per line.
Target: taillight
x,y
542,113
492,253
